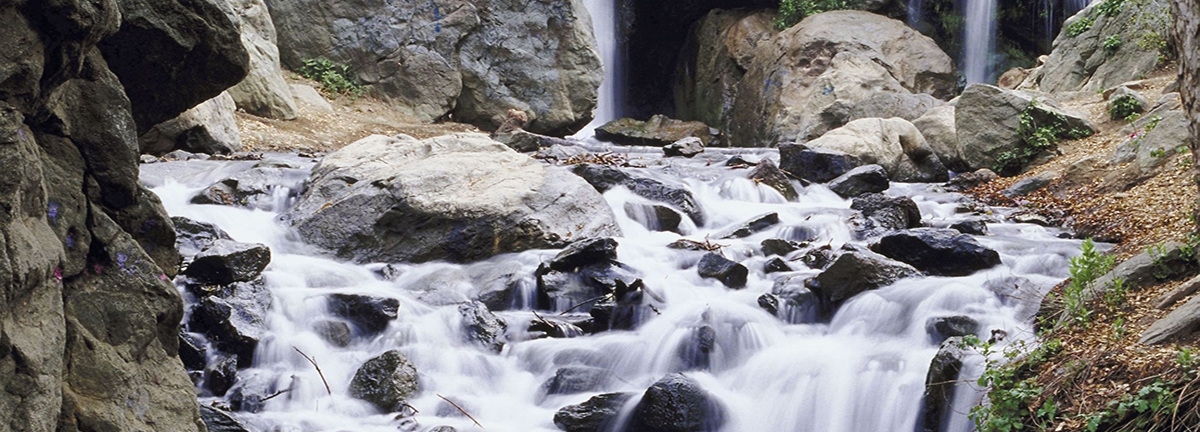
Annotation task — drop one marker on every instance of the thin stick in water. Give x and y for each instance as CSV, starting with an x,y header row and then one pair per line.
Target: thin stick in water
x,y
314,363
460,409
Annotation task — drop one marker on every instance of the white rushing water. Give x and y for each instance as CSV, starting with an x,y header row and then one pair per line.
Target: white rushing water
x,y
606,24
979,41
862,371
914,13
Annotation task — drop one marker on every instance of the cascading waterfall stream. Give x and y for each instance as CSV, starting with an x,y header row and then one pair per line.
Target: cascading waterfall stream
x,y
980,40
863,371
1071,7
606,25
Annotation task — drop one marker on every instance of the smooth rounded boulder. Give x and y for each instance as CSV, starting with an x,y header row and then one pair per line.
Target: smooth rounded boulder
x,y
935,251
457,198
894,143
990,131
677,403
385,381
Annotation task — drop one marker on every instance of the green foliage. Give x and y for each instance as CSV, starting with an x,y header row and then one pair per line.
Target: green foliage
x,y
1140,411
790,12
1157,152
1112,43
1186,359
335,79
1085,268
1079,26
1124,107
1159,253
1155,22
1035,138
1153,123
1115,293
1110,8
1013,391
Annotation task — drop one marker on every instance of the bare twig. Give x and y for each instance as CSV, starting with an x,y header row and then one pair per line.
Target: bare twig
x,y
588,301
460,409
314,363
276,394
543,320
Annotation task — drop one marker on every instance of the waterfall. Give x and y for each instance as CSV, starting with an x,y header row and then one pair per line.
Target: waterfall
x,y
1071,7
864,370
606,24
980,40
914,13
1047,19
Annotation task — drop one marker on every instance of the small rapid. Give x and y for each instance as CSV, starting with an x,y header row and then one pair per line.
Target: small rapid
x,y
861,370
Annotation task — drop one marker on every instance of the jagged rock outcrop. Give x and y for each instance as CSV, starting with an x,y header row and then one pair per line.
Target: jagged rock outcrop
x,y
841,56
264,92
718,52
990,133
208,128
89,322
1084,62
894,143
457,197
471,59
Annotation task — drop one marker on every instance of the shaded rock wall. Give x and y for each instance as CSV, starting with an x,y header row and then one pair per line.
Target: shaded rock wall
x,y
88,320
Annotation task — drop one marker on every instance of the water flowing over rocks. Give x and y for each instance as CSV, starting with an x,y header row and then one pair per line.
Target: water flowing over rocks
x,y
604,178
841,56
677,403
658,131
471,59
855,272
594,415
458,198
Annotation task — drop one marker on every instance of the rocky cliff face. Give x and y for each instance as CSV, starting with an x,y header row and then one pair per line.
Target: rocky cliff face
x,y
88,320
469,59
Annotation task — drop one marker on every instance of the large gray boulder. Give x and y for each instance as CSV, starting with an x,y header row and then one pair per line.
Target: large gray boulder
x,y
895,144
855,272
264,92
209,128
937,127
718,51
841,56
385,381
472,59
457,197
1083,63
987,121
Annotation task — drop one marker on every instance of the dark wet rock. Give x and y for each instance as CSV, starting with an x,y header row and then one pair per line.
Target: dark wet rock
x,y
220,376
687,147
226,261
626,312
659,131
743,161
234,319
942,328
856,272
218,420
792,301
971,226
585,252
387,272
371,315
193,351
252,391
594,415
253,188
818,258
192,236
769,302
730,273
554,328
654,217
385,381
559,290
969,180
576,379
780,247
815,165
862,180
936,251
603,178
677,403
944,370
696,351
482,327
888,213
768,174
758,224
776,265
691,245
337,333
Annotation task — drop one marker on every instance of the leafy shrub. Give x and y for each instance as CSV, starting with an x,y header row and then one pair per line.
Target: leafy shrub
x,y
1151,405
1112,43
335,79
792,11
1079,26
1124,107
1035,138
1110,8
1012,390
1084,269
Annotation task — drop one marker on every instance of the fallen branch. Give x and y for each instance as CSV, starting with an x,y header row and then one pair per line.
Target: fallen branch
x,y
588,301
543,320
314,363
460,409
276,394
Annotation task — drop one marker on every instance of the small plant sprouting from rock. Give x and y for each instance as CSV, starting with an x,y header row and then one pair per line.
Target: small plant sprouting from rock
x,y
792,11
1084,269
1036,138
1112,43
335,79
1110,8
1013,389
1124,107
1080,26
